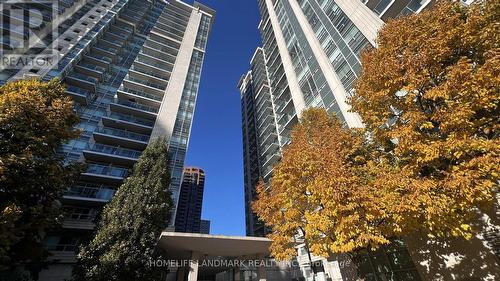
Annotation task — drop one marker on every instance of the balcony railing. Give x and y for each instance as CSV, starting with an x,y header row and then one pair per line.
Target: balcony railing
x,y
90,96
92,67
107,170
150,73
90,192
137,105
140,93
143,82
123,134
130,118
163,66
113,150
108,49
99,57
76,75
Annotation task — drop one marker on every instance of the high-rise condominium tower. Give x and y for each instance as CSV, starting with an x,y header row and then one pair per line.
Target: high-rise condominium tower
x,y
310,57
188,218
133,69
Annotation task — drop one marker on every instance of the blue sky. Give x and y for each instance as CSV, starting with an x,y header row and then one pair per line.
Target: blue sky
x,y
216,142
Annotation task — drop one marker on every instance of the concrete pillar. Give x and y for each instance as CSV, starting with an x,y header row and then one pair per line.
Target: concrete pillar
x,y
193,267
261,269
236,274
181,271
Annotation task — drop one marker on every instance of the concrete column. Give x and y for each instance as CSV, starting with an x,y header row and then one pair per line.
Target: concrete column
x,y
164,125
261,269
236,274
181,271
193,267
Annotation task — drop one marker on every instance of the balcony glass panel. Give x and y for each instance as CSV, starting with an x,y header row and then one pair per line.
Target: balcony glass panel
x,y
148,72
92,66
130,118
140,93
147,83
83,77
90,192
107,170
113,150
137,105
123,134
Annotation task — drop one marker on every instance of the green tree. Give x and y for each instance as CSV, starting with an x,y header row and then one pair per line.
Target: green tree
x,y
128,232
430,91
35,119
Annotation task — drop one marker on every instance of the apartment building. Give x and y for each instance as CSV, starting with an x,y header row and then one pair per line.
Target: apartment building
x,y
133,70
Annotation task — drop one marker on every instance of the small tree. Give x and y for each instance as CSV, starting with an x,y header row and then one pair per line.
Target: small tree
x,y
431,93
127,234
35,119
333,188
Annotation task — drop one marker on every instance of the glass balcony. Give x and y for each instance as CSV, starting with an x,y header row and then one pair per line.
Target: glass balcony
x,y
271,158
130,118
99,57
122,29
82,77
146,83
285,121
81,95
92,67
148,72
113,150
150,62
106,41
282,105
265,129
93,192
268,147
106,49
162,44
265,112
107,170
123,134
114,37
267,172
140,93
136,105
160,47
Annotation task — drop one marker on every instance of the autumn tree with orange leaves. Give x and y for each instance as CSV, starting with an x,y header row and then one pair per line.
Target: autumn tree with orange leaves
x,y
430,92
334,188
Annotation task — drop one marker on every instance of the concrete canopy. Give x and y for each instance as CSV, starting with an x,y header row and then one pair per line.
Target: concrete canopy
x,y
179,245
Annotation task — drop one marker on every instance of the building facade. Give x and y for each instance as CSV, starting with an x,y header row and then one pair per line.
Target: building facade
x,y
133,69
205,227
188,217
310,57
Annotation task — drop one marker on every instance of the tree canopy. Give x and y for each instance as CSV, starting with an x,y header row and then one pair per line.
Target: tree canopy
x,y
127,234
35,119
333,188
430,92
